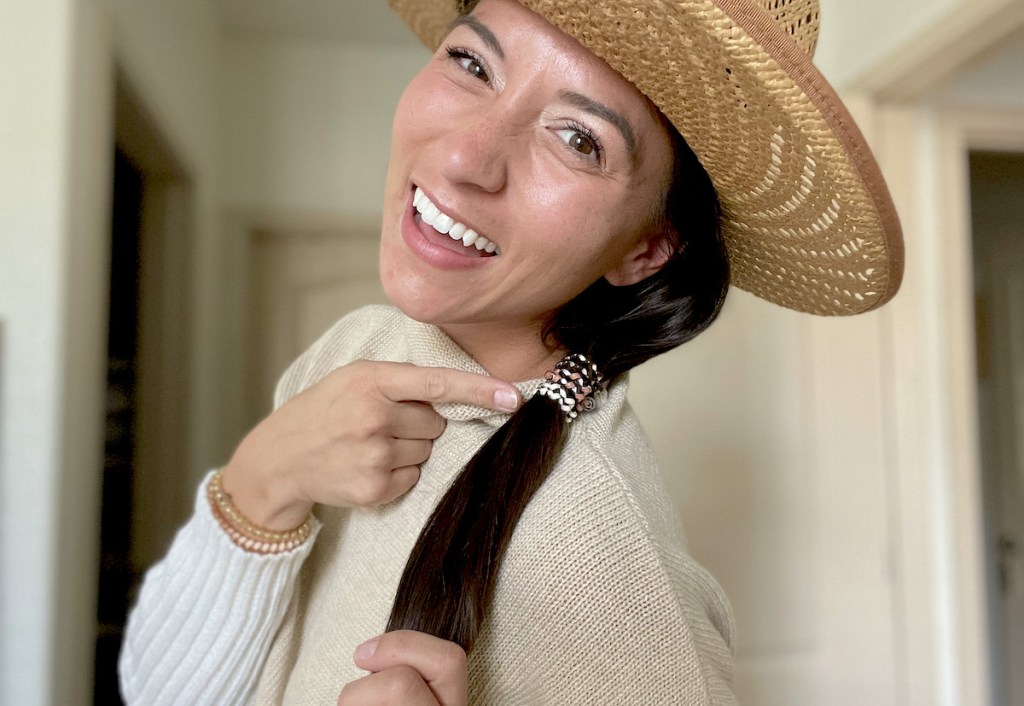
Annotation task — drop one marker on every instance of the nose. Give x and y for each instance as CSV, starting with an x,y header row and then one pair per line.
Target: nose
x,y
477,151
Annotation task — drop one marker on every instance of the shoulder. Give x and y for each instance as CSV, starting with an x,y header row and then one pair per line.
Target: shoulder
x,y
373,332
621,466
609,490
598,559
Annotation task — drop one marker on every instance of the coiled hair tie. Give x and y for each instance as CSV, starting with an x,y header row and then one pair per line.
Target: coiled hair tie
x,y
575,385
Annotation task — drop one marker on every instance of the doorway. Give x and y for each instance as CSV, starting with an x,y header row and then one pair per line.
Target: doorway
x,y
144,500
115,579
997,220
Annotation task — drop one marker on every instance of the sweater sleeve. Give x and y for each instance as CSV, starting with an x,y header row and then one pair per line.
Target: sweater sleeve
x,y
205,617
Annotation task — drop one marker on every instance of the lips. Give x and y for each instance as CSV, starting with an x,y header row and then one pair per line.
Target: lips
x,y
446,225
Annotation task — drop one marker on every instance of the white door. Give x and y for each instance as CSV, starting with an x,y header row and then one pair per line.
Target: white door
x,y
301,282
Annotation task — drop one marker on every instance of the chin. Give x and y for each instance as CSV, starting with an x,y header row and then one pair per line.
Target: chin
x,y
408,294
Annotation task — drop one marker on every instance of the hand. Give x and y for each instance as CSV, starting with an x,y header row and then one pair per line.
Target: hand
x,y
356,438
409,668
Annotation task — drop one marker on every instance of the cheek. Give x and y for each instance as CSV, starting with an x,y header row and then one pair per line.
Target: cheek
x,y
585,229
426,106
403,123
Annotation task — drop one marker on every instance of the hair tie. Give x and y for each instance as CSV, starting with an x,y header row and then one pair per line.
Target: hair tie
x,y
575,385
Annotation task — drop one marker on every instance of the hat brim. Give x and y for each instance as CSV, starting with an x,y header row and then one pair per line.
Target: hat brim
x,y
807,217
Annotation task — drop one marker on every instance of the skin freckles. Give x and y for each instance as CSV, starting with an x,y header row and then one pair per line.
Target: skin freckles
x,y
542,148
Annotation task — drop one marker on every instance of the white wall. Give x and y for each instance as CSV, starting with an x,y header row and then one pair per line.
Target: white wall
x,y
172,55
855,36
307,126
53,198
306,134
996,80
35,66
56,135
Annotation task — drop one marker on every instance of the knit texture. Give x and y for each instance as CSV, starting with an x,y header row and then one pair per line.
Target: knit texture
x,y
205,617
596,601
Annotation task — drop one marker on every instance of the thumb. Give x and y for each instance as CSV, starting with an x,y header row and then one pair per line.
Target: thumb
x,y
441,664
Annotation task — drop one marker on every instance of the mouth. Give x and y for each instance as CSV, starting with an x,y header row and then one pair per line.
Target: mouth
x,y
472,242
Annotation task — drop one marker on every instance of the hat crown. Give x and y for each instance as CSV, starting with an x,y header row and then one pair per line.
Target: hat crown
x,y
798,18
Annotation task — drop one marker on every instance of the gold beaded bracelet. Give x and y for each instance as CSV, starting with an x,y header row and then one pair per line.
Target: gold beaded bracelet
x,y
244,532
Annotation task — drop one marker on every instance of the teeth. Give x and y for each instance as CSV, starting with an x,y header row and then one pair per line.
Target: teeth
x,y
445,224
430,213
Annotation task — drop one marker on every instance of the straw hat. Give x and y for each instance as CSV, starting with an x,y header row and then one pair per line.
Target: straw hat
x,y
808,220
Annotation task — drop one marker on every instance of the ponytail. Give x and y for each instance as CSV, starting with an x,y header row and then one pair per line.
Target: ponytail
x,y
450,576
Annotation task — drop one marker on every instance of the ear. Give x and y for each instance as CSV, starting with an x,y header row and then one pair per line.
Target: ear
x,y
647,257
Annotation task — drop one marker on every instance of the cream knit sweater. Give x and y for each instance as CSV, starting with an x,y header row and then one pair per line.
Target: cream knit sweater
x,y
596,602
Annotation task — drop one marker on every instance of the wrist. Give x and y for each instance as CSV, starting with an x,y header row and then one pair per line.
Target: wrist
x,y
244,532
267,505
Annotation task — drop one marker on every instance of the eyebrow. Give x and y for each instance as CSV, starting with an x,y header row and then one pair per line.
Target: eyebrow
x,y
604,113
572,97
481,29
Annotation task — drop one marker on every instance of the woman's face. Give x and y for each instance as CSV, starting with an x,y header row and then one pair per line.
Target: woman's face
x,y
515,132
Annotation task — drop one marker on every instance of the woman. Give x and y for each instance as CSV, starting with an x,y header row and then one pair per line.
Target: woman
x,y
544,221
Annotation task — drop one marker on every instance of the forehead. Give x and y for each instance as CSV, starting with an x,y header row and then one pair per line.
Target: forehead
x,y
535,47
521,28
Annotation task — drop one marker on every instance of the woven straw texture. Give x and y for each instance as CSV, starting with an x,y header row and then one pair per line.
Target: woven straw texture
x,y
808,219
596,600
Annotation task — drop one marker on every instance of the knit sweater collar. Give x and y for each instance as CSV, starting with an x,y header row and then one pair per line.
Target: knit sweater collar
x,y
429,346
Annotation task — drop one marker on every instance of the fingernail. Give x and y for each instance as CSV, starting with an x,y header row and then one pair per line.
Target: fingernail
x,y
366,650
506,400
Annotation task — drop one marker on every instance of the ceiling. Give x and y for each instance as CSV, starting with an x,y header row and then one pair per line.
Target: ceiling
x,y
324,20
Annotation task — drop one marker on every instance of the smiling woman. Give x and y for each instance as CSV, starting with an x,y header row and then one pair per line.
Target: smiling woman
x,y
544,222
521,137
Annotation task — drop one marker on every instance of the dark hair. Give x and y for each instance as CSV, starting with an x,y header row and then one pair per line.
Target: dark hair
x,y
451,573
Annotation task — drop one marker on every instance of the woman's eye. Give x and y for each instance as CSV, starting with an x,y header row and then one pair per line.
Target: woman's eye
x,y
579,141
469,63
474,67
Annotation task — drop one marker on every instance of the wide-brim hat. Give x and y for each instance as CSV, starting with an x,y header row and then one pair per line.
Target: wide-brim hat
x,y
807,217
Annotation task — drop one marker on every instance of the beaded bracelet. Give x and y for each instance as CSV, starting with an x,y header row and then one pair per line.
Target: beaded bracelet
x,y
244,532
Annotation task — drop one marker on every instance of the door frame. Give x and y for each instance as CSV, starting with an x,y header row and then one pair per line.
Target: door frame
x,y
937,467
928,339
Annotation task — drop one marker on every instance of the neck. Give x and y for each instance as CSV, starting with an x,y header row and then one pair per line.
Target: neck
x,y
508,352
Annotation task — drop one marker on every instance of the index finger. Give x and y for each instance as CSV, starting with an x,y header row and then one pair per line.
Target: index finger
x,y
405,382
441,663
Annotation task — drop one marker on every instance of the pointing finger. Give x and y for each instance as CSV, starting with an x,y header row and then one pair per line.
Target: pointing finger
x,y
403,382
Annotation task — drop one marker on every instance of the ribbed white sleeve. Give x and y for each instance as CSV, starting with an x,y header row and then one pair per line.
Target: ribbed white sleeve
x,y
205,617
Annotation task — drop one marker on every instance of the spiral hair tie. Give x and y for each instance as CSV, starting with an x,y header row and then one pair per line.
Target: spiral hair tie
x,y
575,385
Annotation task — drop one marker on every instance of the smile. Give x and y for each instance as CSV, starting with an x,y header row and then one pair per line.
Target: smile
x,y
446,225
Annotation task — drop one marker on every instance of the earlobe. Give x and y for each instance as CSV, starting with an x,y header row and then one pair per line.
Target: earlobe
x,y
645,259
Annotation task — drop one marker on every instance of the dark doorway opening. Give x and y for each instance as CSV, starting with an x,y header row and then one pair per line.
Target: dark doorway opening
x,y
145,496
997,207
115,580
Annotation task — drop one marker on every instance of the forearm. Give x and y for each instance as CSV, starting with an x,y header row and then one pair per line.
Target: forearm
x,y
205,617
